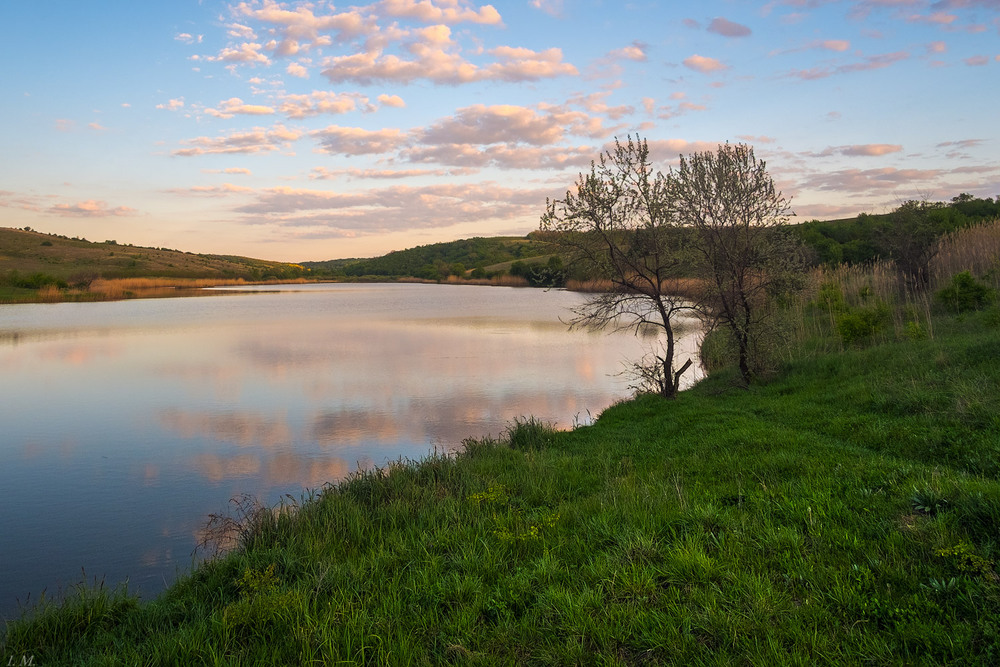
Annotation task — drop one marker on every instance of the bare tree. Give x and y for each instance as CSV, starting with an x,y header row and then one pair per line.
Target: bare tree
x,y
746,255
620,225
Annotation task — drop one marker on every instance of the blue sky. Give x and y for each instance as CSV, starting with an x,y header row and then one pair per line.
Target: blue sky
x,y
307,131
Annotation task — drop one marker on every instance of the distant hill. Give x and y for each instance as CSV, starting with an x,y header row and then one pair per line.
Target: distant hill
x,y
26,253
438,260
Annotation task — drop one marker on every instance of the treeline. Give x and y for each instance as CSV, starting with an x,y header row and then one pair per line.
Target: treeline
x,y
478,257
875,236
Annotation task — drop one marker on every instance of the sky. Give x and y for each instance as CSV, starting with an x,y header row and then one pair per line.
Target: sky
x,y
301,131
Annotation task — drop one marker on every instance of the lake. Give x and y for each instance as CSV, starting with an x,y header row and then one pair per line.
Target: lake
x,y
126,423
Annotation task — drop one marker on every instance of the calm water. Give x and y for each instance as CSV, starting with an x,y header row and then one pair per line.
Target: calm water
x,y
124,424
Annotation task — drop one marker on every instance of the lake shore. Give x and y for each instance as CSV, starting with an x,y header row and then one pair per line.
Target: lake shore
x,y
845,511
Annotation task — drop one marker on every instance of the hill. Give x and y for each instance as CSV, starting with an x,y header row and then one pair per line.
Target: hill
x,y
439,260
30,260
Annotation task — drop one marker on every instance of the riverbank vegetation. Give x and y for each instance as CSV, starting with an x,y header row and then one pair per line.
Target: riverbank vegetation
x,y
844,510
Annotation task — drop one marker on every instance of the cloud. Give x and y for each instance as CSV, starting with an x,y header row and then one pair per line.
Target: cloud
x,y
501,156
96,126
247,53
301,29
172,105
668,112
444,11
635,51
704,64
214,190
357,141
65,124
297,70
726,28
188,38
868,63
550,7
235,105
322,173
762,139
391,101
596,103
434,62
976,61
393,208
868,180
323,102
229,170
257,140
91,208
480,124
937,47
859,150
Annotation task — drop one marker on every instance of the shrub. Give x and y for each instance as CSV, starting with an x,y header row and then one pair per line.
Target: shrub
x,y
861,324
965,293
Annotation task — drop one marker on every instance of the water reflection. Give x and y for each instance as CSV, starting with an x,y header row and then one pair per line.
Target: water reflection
x,y
140,418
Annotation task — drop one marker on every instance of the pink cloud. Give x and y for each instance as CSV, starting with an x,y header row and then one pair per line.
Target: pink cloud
x,y
393,208
443,11
357,141
868,63
749,138
322,173
323,102
502,156
257,140
247,53
90,208
635,51
861,150
235,105
172,105
391,101
727,28
704,64
480,124
937,47
977,61
441,66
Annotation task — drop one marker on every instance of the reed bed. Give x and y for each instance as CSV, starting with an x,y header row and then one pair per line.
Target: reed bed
x,y
975,249
833,293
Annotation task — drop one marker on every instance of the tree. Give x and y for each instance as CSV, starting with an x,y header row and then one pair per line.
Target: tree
x,y
909,237
620,225
746,255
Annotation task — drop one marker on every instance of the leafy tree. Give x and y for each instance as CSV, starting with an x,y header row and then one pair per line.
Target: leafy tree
x,y
909,237
746,255
620,224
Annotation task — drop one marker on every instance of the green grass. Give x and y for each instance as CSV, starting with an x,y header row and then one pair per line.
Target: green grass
x,y
848,511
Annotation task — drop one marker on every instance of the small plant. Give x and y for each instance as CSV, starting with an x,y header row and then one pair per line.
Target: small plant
x,y
965,293
963,558
927,501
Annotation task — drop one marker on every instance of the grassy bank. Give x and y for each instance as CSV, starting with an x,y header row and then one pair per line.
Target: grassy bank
x,y
846,511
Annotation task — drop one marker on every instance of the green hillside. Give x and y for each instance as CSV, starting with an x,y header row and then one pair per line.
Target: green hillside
x,y
439,260
71,260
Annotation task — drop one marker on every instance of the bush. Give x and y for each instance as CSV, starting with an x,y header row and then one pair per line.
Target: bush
x,y
965,293
863,323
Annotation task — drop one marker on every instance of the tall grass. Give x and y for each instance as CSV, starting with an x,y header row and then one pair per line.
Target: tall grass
x,y
835,297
